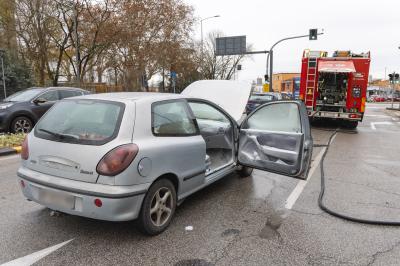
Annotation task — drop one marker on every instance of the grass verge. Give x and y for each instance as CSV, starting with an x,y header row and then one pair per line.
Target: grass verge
x,y
11,140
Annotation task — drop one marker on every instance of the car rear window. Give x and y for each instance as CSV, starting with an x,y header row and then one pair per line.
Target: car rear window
x,y
91,122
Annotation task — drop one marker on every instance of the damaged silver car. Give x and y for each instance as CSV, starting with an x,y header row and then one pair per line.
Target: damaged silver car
x,y
126,156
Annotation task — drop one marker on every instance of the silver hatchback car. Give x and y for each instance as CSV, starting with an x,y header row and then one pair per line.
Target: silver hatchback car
x,y
125,156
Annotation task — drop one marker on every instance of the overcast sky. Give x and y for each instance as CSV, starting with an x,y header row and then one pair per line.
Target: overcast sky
x,y
356,25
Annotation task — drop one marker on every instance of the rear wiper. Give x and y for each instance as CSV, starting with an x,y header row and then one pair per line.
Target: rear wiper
x,y
58,135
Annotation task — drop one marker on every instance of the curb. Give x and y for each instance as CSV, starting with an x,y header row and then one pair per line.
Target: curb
x,y
10,151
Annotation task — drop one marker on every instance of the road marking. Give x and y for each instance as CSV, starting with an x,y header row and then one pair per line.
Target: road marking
x,y
34,257
291,200
385,116
379,123
9,157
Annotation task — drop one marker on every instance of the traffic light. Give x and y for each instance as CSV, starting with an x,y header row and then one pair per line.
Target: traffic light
x,y
313,34
394,77
266,78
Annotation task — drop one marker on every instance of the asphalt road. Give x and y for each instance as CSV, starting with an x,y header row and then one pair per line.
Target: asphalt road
x,y
265,219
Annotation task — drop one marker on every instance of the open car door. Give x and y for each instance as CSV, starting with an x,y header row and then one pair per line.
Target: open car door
x,y
276,137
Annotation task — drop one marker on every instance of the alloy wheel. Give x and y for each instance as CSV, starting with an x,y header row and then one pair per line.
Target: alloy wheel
x,y
22,125
161,206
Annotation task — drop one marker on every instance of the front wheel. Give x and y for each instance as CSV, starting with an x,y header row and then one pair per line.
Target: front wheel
x,y
21,124
158,207
245,171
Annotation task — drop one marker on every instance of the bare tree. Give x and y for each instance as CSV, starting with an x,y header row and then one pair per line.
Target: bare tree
x,y
221,67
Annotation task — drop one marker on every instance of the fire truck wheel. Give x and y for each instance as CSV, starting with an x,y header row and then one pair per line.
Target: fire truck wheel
x,y
350,124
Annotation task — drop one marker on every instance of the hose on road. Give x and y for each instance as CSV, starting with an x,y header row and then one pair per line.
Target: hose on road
x,y
321,203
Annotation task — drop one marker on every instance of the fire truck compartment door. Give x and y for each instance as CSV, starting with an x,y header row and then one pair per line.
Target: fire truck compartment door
x,y
336,66
276,137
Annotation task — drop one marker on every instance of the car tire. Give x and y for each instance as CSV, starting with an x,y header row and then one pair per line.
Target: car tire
x,y
21,124
245,171
157,212
350,124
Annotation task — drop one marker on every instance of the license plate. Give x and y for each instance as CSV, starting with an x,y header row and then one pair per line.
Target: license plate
x,y
57,199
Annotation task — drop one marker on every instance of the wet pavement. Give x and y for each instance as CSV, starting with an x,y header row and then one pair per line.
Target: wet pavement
x,y
239,221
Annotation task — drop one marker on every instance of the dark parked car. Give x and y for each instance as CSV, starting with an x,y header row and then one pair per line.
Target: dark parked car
x,y
20,111
257,99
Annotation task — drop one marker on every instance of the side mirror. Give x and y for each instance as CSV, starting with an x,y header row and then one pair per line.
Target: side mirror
x,y
39,101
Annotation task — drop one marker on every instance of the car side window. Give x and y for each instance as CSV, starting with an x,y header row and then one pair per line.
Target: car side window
x,y
276,117
207,112
69,93
50,96
173,118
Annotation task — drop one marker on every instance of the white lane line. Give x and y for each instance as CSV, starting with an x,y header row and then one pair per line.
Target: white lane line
x,y
34,257
291,200
384,116
9,157
373,124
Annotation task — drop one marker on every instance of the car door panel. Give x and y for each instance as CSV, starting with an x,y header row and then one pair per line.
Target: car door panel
x,y
270,150
276,137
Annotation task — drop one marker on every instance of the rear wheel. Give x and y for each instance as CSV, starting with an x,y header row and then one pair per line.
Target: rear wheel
x,y
158,207
21,124
350,124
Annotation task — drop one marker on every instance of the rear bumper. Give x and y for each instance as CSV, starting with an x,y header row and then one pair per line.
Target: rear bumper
x,y
336,115
119,203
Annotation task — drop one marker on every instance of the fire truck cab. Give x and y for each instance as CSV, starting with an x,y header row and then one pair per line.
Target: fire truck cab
x,y
335,87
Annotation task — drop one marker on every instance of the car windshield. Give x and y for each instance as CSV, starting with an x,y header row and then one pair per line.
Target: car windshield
x,y
261,97
90,122
23,96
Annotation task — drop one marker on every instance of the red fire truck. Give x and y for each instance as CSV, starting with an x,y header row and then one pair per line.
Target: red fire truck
x,y
335,87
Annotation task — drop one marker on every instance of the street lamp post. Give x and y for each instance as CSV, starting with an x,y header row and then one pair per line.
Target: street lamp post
x,y
2,70
201,32
270,55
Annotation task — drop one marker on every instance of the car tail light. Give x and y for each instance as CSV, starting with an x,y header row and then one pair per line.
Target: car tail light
x,y
354,115
98,202
25,149
117,160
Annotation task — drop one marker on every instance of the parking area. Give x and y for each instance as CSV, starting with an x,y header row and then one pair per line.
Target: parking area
x,y
264,219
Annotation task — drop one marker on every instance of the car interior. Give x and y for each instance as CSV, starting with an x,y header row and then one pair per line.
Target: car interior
x,y
217,131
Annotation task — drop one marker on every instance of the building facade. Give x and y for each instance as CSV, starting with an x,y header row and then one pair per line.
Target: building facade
x,y
284,82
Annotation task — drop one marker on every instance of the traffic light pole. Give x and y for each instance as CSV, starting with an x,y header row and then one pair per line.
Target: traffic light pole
x,y
393,87
270,56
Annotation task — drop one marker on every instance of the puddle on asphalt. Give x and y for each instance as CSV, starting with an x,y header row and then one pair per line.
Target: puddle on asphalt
x,y
270,230
193,262
275,217
230,232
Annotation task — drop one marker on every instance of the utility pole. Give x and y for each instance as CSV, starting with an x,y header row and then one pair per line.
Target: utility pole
x,y
77,54
201,33
2,70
